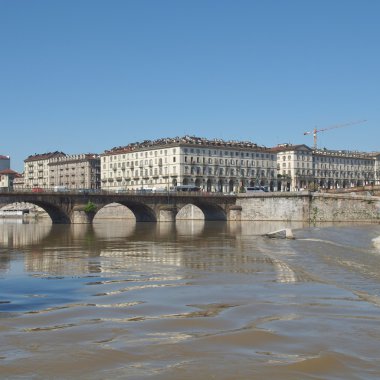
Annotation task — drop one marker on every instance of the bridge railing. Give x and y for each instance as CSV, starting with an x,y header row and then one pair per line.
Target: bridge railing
x,y
140,192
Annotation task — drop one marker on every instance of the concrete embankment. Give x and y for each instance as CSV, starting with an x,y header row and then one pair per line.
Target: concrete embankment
x,y
309,207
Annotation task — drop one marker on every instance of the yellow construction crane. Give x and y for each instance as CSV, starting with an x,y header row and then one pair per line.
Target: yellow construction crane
x,y
315,131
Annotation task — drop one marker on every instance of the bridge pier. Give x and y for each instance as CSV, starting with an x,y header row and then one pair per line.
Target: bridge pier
x,y
234,213
167,214
79,216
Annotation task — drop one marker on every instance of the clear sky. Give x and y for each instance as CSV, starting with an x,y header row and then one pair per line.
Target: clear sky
x,y
84,76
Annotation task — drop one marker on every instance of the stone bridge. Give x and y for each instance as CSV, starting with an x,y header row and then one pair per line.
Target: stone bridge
x,y
282,206
67,207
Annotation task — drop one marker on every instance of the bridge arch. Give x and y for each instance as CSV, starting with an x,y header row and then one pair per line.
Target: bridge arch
x,y
210,211
57,214
142,212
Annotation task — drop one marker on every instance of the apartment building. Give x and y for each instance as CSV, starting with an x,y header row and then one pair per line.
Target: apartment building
x,y
343,169
7,176
376,157
300,167
36,170
212,165
79,171
18,183
58,169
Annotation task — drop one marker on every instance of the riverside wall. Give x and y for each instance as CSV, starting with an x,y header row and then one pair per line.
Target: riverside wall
x,y
309,207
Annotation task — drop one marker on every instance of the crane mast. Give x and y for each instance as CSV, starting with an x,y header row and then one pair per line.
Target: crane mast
x,y
315,131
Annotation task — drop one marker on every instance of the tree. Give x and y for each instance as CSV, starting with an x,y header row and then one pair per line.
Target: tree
x,y
89,208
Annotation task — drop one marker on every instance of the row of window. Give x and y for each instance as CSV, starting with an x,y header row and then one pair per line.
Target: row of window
x,y
229,153
346,161
118,157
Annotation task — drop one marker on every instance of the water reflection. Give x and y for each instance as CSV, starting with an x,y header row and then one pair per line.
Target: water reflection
x,y
114,246
189,227
16,233
114,229
376,243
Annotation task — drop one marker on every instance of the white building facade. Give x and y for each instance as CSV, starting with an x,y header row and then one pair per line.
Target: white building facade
x,y
212,165
7,177
300,167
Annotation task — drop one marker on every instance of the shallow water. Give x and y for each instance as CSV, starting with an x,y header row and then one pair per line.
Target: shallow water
x,y
189,300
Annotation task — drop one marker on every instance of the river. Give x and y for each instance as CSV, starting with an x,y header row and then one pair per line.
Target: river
x,y
189,300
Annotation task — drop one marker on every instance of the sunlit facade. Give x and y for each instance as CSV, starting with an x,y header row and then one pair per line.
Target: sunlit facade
x,y
80,171
300,167
7,178
36,170
212,165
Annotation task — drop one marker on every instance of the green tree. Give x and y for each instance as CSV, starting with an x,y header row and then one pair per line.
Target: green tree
x,y
90,208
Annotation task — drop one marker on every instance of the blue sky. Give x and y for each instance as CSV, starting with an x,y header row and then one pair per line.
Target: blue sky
x,y
84,76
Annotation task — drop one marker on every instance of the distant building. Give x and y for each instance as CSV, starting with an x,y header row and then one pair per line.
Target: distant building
x,y
376,157
80,171
7,177
212,165
36,170
5,162
300,167
18,183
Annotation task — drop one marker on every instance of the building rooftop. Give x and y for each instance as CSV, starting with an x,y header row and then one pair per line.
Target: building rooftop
x,y
75,157
324,152
288,147
341,153
9,172
185,140
44,156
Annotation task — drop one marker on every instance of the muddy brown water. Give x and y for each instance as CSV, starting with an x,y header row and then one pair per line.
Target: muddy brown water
x,y
190,300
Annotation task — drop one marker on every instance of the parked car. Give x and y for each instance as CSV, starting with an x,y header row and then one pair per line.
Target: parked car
x,y
257,189
37,190
60,189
